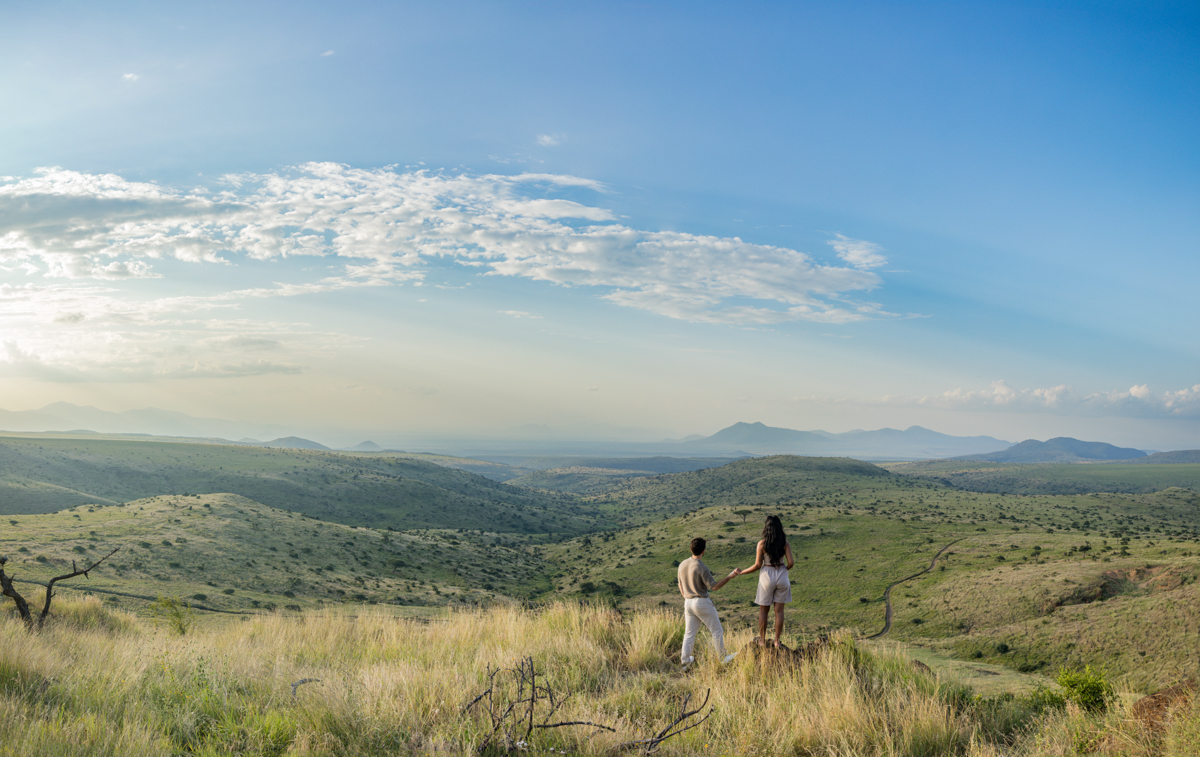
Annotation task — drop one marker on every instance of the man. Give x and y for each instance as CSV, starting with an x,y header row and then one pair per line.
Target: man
x,y
695,581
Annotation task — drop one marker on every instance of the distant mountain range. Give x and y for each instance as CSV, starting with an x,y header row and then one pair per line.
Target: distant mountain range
x,y
65,417
738,440
292,442
1062,449
1178,456
913,442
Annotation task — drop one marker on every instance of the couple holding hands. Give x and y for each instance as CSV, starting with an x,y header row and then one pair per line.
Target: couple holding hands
x,y
772,561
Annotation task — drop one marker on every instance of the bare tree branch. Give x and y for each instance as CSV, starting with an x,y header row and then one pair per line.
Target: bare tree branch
x,y
577,722
652,743
6,588
75,572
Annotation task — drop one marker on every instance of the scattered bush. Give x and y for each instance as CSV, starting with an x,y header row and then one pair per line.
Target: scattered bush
x,y
177,613
1044,698
1089,688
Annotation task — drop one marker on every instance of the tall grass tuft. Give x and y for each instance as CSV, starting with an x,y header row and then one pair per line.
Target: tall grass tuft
x,y
90,614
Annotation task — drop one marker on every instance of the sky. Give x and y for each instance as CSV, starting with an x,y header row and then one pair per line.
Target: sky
x,y
606,219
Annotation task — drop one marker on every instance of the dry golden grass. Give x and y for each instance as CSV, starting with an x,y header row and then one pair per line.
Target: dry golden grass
x,y
388,685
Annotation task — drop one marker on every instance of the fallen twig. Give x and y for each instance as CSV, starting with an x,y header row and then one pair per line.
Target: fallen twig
x,y
652,743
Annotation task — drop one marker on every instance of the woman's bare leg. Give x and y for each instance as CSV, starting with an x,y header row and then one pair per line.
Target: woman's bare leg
x,y
762,623
778,622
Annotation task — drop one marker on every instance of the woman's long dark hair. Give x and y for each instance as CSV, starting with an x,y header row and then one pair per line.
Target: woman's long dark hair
x,y
774,540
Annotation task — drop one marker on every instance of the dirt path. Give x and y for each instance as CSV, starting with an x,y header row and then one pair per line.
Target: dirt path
x,y
887,593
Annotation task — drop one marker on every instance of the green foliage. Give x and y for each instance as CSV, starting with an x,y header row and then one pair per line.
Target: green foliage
x,y
1044,698
1089,688
176,612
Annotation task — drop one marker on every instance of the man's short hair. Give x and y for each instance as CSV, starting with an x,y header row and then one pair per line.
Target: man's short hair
x,y
698,545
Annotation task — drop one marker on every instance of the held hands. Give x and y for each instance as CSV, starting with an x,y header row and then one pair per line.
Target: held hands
x,y
736,572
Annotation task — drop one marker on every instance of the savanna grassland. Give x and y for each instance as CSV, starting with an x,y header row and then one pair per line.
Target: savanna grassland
x,y
1033,583
364,682
224,552
45,473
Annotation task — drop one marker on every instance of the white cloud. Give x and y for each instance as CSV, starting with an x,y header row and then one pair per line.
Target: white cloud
x,y
228,370
519,314
327,53
858,253
1138,401
549,140
130,77
384,227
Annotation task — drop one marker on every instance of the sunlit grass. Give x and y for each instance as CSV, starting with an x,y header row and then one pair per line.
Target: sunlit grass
x,y
379,685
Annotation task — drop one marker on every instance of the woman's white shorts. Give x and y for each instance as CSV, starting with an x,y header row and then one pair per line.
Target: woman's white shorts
x,y
773,586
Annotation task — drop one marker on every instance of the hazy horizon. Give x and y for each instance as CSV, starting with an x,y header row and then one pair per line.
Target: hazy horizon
x,y
430,220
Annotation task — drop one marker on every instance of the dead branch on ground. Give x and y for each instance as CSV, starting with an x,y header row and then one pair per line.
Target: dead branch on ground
x,y
511,703
653,742
512,700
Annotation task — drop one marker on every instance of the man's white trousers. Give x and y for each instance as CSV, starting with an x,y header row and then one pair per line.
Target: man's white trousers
x,y
695,612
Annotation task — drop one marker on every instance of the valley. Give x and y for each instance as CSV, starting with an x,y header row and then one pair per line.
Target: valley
x,y
1054,579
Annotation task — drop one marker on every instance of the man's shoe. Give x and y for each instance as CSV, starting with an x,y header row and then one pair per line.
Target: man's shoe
x,y
688,662
728,657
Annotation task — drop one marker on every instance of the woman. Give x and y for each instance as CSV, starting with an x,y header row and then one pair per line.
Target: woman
x,y
773,560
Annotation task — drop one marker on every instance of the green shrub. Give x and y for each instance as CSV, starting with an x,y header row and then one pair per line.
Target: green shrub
x,y
1088,688
1044,698
177,613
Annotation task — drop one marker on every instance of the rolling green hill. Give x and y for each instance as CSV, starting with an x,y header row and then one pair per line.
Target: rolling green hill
x,y
578,479
43,474
225,552
1129,476
1062,449
752,481
1037,582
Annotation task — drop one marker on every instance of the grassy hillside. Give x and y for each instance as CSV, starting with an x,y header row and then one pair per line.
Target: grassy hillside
x,y
753,481
365,684
44,474
225,552
1036,582
578,479
1130,476
659,464
1029,573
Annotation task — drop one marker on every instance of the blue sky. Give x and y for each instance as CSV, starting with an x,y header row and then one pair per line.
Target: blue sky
x,y
610,219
